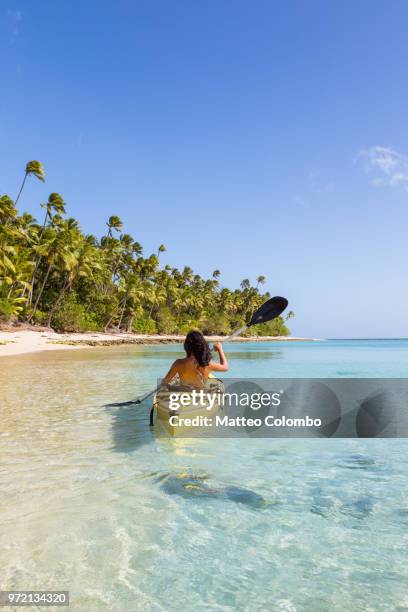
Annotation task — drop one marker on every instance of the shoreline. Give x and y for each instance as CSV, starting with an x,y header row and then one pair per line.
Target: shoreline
x,y
21,342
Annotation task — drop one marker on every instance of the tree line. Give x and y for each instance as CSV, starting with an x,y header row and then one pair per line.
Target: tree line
x,y
53,274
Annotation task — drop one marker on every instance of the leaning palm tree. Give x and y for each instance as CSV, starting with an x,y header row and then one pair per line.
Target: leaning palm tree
x,y
156,292
32,167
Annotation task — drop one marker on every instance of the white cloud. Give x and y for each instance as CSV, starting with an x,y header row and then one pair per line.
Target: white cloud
x,y
387,167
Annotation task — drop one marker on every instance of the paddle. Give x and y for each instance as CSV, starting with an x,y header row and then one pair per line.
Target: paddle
x,y
267,312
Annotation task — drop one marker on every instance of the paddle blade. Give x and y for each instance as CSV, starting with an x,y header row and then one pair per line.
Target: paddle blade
x,y
268,311
121,404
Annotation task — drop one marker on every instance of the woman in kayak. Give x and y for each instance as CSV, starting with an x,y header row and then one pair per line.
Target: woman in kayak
x,y
196,367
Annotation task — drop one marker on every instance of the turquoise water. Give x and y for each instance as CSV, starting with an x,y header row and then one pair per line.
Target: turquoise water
x,y
94,502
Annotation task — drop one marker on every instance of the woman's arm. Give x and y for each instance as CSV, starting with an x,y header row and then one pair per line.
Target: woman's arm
x,y
171,373
223,365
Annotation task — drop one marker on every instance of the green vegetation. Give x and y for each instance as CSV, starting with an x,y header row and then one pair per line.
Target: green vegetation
x,y
52,274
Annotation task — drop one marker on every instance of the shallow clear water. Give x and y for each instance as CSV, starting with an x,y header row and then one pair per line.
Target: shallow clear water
x,y
94,502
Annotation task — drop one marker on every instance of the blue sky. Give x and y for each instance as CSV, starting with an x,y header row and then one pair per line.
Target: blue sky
x,y
254,137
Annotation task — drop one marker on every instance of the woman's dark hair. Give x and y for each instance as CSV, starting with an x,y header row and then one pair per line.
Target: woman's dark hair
x,y
195,344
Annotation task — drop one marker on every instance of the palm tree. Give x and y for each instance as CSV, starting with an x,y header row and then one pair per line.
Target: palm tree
x,y
36,169
137,249
6,262
161,249
8,211
55,204
111,281
187,275
8,238
17,276
134,297
261,280
26,223
80,259
59,252
157,293
115,223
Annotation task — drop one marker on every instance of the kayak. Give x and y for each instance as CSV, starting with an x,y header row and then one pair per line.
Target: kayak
x,y
183,411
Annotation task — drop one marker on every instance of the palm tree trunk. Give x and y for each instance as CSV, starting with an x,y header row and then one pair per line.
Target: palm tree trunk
x,y
67,284
130,323
37,262
40,292
151,310
122,311
32,281
21,188
108,323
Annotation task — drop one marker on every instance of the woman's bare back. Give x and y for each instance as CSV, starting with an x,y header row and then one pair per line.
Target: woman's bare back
x,y
190,373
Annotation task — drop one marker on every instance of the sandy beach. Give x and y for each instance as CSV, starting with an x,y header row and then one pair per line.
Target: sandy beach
x,y
19,342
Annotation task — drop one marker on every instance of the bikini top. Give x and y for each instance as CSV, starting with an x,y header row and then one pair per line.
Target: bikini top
x,y
200,376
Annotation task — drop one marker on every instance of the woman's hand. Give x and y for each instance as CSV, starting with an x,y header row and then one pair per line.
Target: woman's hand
x,y
217,347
